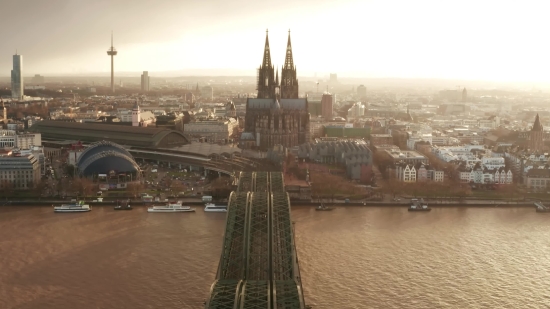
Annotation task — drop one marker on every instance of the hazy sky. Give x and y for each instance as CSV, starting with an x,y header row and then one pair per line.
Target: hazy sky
x,y
489,40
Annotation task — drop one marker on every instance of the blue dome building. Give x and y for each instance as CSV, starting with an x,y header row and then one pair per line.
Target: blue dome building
x,y
107,158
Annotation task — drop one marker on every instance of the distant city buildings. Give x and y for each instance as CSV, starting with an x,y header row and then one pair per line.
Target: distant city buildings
x,y
17,85
38,79
145,81
207,92
362,91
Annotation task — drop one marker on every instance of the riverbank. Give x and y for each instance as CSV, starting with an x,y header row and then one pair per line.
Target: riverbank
x,y
496,204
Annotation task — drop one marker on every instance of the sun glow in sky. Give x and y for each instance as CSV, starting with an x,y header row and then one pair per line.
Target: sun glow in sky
x,y
484,40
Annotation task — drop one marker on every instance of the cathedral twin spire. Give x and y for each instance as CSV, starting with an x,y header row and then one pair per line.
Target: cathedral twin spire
x,y
267,82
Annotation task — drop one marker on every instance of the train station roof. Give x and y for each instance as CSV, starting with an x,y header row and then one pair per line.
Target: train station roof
x,y
206,149
123,135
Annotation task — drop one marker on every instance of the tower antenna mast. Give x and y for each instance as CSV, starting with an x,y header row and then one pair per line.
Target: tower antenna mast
x,y
112,52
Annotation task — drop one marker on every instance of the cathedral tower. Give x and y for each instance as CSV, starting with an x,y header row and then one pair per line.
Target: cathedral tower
x,y
289,82
266,74
536,143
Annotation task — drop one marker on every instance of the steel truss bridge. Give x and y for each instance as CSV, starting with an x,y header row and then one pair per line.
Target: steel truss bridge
x,y
258,265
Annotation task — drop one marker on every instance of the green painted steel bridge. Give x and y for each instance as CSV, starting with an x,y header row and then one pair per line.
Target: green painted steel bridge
x,y
258,264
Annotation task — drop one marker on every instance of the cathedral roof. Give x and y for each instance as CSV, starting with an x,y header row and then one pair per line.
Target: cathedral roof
x,y
300,104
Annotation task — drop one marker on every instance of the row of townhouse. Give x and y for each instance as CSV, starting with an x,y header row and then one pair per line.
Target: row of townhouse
x,y
417,173
482,175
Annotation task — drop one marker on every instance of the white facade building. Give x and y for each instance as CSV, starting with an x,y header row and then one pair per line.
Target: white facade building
x,y
7,138
405,173
28,140
356,111
212,130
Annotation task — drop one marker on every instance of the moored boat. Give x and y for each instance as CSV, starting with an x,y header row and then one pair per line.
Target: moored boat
x,y
210,207
541,207
417,205
171,207
323,207
124,206
76,207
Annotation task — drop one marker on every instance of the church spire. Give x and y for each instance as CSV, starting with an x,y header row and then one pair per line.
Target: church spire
x,y
277,77
289,62
289,82
537,126
266,63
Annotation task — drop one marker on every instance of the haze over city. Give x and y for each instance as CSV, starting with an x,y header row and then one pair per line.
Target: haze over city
x,y
473,40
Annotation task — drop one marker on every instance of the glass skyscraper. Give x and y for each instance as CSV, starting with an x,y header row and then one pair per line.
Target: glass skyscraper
x,y
17,78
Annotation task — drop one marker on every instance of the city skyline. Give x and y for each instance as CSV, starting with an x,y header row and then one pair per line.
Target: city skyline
x,y
426,39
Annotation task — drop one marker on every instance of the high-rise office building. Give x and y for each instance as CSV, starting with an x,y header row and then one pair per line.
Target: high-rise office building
x,y
326,106
17,86
145,81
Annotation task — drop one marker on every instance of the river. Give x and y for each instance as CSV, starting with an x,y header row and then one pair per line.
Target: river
x,y
352,257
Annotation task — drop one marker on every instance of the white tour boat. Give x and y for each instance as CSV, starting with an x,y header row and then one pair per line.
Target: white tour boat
x,y
171,207
215,208
77,207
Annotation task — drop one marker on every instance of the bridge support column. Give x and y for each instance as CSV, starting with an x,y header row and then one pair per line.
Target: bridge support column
x,y
169,165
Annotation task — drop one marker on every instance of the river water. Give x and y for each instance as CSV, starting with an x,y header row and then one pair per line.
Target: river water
x,y
352,257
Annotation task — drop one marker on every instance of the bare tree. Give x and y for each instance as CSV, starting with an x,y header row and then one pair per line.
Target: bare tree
x,y
39,187
134,188
83,186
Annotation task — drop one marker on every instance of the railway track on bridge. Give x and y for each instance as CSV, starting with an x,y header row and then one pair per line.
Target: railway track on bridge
x,y
258,266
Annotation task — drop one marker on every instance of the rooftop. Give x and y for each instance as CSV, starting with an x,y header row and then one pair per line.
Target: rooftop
x,y
124,135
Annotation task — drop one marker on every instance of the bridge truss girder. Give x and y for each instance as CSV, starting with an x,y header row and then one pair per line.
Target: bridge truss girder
x,y
259,234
